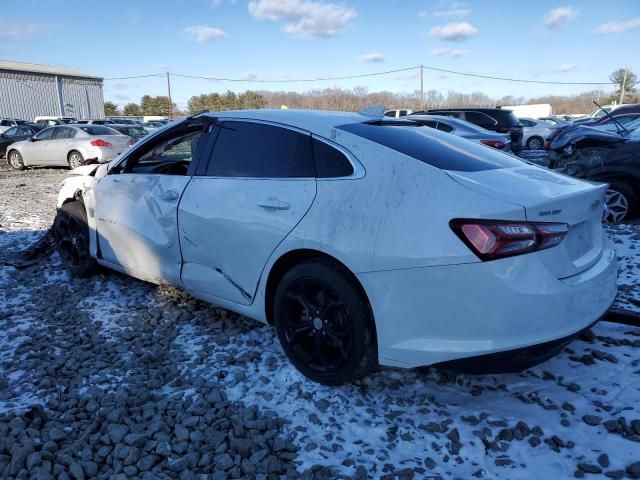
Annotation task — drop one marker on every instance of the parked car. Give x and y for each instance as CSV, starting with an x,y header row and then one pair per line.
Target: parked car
x,y
153,126
398,113
496,119
464,129
7,123
133,131
616,122
16,134
126,121
68,145
555,121
54,120
97,121
534,132
595,115
596,155
436,255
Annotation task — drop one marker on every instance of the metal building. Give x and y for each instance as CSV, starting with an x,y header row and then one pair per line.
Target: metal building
x,y
28,90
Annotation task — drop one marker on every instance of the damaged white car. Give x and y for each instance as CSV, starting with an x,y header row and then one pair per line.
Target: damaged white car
x,y
363,241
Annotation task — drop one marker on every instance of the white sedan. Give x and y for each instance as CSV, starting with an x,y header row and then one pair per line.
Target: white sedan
x,y
535,132
364,241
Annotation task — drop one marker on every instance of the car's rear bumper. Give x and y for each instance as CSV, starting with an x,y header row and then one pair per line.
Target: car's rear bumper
x,y
437,314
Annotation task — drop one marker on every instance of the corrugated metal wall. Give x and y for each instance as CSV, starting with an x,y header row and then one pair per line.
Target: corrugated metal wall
x,y
28,95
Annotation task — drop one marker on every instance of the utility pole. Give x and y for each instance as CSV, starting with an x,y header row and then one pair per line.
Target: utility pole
x,y
624,84
421,87
169,95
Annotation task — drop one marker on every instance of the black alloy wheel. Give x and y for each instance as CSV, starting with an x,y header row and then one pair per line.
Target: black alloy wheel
x,y
324,324
71,237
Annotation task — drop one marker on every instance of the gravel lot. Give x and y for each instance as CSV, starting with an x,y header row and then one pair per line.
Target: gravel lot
x,y
111,377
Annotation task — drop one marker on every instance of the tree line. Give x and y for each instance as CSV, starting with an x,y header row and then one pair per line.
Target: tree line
x,y
359,97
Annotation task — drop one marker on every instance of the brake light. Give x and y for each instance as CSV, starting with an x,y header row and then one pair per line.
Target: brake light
x,y
502,130
493,143
98,142
493,239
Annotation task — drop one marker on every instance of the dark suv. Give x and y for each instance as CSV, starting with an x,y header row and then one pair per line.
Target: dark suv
x,y
495,119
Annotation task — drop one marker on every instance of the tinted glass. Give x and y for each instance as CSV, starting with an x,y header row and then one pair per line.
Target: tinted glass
x,y
45,134
5,123
428,123
504,117
479,118
98,130
448,152
330,162
245,149
61,133
444,127
13,131
390,114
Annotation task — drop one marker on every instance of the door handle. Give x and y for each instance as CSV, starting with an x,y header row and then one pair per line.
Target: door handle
x,y
169,196
274,203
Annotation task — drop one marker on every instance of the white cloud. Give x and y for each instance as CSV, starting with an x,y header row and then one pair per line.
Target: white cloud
x,y
248,75
452,52
559,17
454,12
160,66
215,3
618,27
13,30
372,58
304,18
564,68
203,33
454,32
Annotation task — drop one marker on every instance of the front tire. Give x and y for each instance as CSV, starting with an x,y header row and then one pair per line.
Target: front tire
x,y
71,238
15,160
621,200
324,323
535,143
75,159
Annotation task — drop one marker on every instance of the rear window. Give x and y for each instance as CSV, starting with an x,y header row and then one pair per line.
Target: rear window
x,y
98,130
504,117
132,131
434,148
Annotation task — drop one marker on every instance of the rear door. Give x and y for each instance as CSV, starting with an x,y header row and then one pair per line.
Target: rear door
x,y
59,146
258,184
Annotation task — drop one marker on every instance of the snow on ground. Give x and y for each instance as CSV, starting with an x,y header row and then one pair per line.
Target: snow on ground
x,y
518,426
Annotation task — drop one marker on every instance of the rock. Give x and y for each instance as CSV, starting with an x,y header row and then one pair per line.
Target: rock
x,y
223,461
611,425
33,460
76,472
117,432
592,420
506,435
633,470
589,468
181,433
148,462
135,439
603,460
534,441
615,474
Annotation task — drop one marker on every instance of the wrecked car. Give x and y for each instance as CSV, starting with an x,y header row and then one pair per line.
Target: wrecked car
x,y
362,240
592,154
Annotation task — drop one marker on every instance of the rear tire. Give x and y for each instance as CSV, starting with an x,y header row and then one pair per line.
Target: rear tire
x,y
75,159
15,160
324,323
535,143
621,201
71,238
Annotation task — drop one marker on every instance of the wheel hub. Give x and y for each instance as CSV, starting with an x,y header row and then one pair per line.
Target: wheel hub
x,y
317,323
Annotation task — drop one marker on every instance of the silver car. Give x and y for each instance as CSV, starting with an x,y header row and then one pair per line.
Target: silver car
x,y
535,132
464,129
68,145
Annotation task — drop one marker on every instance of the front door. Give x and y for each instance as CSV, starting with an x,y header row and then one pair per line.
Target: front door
x,y
259,183
136,207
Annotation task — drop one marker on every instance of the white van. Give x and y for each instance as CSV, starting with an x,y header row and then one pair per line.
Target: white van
x,y
45,120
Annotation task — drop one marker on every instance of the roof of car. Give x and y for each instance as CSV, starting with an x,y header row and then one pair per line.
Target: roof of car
x,y
470,109
319,121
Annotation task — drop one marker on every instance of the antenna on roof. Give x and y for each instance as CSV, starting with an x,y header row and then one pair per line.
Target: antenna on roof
x,y
375,111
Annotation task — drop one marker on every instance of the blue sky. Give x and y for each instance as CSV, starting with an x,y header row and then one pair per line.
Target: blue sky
x,y
283,39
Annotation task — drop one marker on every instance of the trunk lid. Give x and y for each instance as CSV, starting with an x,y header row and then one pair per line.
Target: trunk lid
x,y
550,197
120,142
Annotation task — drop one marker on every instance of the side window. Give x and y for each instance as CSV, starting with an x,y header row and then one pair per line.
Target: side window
x,y
452,114
392,113
444,127
330,162
5,123
45,134
429,123
247,149
60,133
27,131
402,113
170,154
12,132
479,118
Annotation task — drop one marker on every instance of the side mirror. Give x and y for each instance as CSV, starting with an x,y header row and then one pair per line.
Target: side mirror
x,y
33,139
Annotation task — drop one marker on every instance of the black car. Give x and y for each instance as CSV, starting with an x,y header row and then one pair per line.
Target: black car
x,y
591,154
496,119
17,134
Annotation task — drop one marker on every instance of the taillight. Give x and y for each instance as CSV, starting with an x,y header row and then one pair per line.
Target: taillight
x,y
493,239
492,143
502,130
98,142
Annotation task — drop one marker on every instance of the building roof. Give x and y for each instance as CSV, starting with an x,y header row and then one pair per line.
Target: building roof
x,y
47,69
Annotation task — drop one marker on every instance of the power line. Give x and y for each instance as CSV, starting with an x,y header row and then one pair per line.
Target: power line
x,y
363,75
296,80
